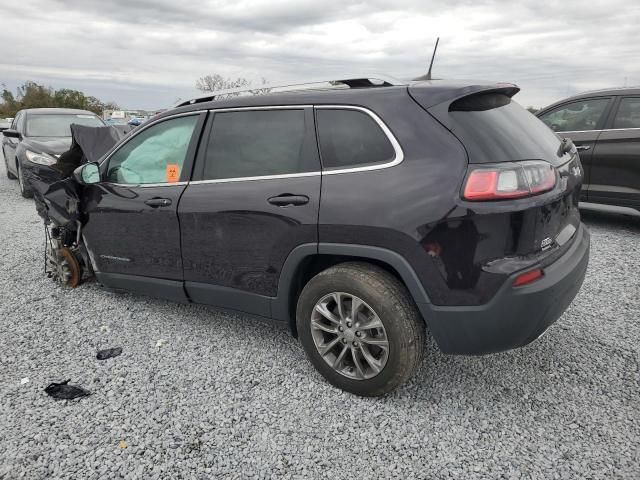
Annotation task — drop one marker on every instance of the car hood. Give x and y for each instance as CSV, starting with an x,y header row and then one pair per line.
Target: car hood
x,y
50,145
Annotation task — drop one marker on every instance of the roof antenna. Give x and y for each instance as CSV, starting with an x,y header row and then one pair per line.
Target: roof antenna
x,y
428,75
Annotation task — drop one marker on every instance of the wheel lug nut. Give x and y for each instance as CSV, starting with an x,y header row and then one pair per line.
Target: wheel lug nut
x,y
344,340
348,324
340,329
355,344
358,334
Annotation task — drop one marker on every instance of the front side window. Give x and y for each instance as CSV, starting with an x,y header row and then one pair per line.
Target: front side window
x,y
628,115
351,138
256,143
155,155
576,116
58,125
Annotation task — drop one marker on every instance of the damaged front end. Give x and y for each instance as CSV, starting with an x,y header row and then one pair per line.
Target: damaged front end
x,y
58,201
63,260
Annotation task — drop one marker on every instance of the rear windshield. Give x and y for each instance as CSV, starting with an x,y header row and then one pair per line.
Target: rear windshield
x,y
494,128
58,125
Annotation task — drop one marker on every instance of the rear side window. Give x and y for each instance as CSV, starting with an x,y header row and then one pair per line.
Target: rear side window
x,y
494,128
576,116
628,115
351,138
257,143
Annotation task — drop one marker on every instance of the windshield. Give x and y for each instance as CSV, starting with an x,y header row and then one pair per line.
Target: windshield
x,y
58,125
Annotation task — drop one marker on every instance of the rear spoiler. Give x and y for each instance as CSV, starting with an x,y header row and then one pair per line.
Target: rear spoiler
x,y
437,99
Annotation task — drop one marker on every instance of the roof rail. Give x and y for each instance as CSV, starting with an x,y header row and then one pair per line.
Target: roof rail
x,y
361,81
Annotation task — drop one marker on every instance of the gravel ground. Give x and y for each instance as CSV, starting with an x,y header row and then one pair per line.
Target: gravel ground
x,y
229,396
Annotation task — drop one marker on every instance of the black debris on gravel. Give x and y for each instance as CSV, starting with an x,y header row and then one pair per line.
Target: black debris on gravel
x,y
64,391
109,353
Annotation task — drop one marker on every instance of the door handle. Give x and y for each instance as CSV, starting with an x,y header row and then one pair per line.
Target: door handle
x,y
583,147
288,199
158,202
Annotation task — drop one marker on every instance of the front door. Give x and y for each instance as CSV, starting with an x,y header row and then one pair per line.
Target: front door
x,y
132,230
615,171
580,121
254,199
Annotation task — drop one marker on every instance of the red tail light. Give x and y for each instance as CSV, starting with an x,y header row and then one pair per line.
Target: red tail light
x,y
528,277
509,180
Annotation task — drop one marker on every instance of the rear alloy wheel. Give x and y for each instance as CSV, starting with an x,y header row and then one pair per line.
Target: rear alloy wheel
x,y
349,336
25,191
360,328
10,175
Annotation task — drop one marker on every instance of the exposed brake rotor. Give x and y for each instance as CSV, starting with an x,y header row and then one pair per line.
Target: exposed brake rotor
x,y
63,267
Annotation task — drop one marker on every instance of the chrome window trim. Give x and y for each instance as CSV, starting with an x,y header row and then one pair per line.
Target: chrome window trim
x,y
576,131
250,179
601,130
398,158
144,185
268,107
619,129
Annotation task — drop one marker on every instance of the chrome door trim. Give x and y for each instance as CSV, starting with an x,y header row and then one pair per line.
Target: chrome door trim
x,y
398,157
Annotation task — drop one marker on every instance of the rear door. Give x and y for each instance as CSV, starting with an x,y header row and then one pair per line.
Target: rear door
x,y
254,198
132,230
581,121
615,171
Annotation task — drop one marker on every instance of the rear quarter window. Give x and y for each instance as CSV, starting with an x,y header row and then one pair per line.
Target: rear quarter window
x,y
351,138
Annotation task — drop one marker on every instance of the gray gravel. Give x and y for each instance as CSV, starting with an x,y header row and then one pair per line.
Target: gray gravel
x,y
225,395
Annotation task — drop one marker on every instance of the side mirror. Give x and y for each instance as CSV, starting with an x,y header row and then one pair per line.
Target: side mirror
x,y
12,133
87,174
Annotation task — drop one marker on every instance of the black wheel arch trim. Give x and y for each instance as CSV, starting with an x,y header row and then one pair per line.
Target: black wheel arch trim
x,y
281,308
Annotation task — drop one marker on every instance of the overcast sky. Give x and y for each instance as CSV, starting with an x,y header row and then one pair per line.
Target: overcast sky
x,y
148,53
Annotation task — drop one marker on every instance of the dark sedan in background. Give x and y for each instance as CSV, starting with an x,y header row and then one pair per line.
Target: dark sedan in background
x,y
605,127
38,136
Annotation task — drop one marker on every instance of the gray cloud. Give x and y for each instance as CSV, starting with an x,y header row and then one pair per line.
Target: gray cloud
x,y
147,53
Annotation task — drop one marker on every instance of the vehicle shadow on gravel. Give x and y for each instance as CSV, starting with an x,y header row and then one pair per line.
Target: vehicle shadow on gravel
x,y
611,220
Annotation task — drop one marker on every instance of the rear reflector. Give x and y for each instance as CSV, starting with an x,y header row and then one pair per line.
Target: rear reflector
x,y
528,277
509,180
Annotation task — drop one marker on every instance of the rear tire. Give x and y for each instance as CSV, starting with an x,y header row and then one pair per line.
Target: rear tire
x,y
25,190
376,347
10,175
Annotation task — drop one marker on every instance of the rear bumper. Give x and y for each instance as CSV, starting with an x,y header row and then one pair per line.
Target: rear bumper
x,y
515,316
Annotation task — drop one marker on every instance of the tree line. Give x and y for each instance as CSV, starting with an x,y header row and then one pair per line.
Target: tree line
x,y
33,95
216,82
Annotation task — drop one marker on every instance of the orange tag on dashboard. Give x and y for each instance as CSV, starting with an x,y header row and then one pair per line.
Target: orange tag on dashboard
x,y
173,173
